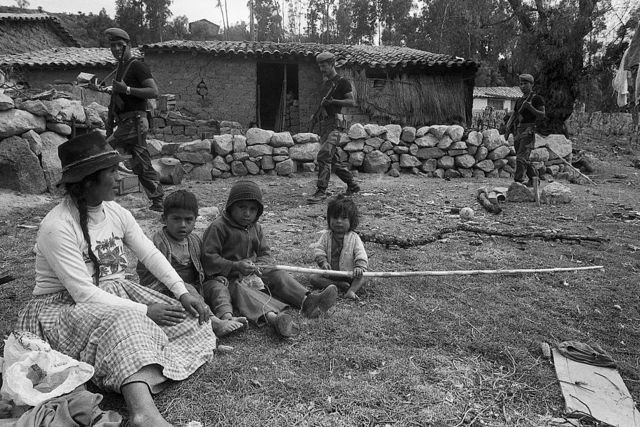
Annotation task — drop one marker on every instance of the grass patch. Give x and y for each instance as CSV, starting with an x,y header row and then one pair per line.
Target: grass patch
x,y
442,351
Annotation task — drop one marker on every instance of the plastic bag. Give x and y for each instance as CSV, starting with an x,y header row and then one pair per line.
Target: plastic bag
x,y
20,344
34,373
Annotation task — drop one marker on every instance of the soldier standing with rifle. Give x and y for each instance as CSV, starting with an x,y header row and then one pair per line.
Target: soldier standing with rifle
x,y
337,94
528,110
132,87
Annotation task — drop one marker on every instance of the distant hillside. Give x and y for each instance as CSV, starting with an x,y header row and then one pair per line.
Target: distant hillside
x,y
86,29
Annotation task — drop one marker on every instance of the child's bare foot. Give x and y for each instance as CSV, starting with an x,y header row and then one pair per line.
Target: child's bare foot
x,y
241,319
225,327
145,420
351,295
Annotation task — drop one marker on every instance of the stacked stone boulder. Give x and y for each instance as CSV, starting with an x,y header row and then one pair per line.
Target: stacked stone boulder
x,y
174,126
257,152
437,151
30,133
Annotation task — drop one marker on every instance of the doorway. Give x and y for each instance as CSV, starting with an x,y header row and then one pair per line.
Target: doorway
x,y
277,93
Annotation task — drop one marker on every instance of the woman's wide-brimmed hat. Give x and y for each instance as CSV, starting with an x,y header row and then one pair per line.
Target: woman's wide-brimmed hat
x,y
83,155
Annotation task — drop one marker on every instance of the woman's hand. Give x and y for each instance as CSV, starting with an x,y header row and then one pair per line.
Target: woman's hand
x,y
196,307
165,314
325,265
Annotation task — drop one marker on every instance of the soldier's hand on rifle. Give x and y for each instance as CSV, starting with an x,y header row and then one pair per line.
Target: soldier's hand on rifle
x,y
119,87
326,102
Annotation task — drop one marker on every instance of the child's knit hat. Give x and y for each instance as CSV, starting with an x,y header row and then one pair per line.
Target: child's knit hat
x,y
245,190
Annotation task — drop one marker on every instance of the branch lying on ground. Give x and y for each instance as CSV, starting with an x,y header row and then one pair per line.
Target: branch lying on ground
x,y
545,235
406,242
486,203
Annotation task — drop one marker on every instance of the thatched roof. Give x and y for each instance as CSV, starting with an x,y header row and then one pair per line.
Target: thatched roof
x,y
362,55
24,32
63,57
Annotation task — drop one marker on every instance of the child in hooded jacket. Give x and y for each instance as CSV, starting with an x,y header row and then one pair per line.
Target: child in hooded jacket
x,y
235,247
340,248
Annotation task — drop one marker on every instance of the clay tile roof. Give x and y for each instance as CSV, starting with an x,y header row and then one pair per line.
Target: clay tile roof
x,y
364,55
52,20
63,57
504,92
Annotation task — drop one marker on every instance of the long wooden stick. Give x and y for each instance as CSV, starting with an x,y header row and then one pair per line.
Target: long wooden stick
x,y
571,166
349,274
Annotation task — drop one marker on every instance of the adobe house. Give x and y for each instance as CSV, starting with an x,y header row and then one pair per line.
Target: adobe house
x,y
42,69
36,52
203,29
495,98
278,85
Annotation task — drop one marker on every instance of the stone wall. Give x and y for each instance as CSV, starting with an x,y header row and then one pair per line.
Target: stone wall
x,y
435,151
30,133
175,127
597,127
32,130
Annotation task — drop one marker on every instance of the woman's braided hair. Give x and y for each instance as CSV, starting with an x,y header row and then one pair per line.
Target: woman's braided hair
x,y
76,192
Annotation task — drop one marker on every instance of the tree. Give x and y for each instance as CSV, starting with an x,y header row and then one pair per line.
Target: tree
x,y
156,14
22,4
144,20
394,15
177,29
294,21
130,17
551,45
268,20
238,31
97,24
225,17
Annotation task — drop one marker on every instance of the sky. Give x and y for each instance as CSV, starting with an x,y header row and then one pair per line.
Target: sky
x,y
193,9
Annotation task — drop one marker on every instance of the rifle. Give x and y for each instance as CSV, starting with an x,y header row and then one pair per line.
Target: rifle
x,y
115,102
515,116
316,115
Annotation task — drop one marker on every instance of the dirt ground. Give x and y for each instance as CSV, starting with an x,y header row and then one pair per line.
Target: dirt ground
x,y
445,351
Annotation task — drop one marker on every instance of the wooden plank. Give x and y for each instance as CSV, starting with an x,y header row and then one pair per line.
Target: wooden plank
x,y
596,391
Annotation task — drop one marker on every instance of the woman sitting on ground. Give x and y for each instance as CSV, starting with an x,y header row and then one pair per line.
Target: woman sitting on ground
x,y
135,338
